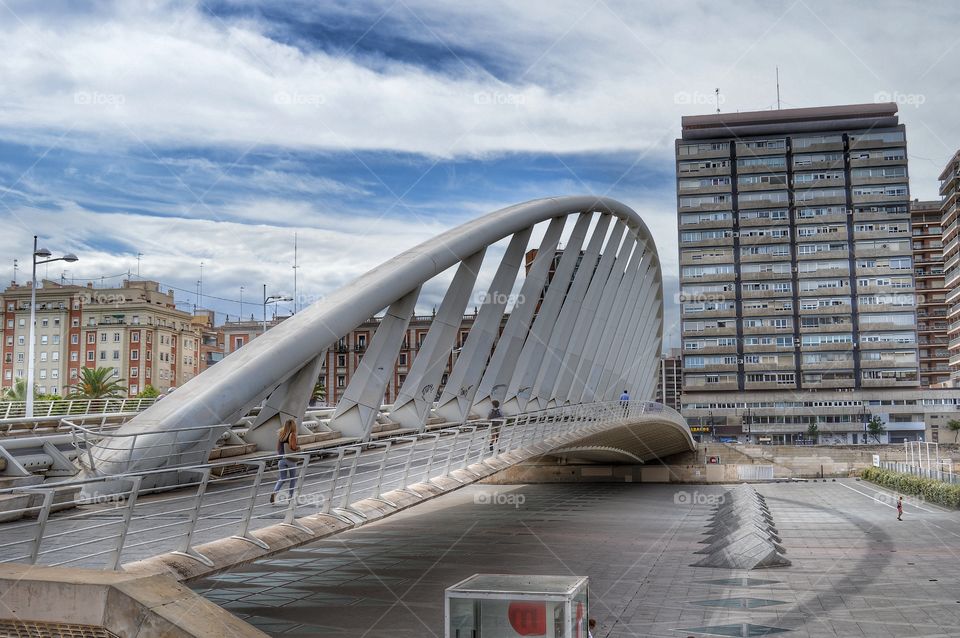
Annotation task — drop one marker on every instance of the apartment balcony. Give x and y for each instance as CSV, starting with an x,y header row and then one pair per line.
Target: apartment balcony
x,y
834,327
763,276
830,384
818,200
875,181
707,153
826,292
780,366
726,313
817,166
763,294
728,331
761,349
885,308
861,144
711,224
764,312
751,151
710,387
881,345
840,235
800,186
723,367
874,288
818,147
729,350
839,271
877,161
841,309
749,223
824,255
888,383
871,216
753,240
881,198
827,347
721,242
880,234
687,259
704,207
769,385
881,326
768,330
752,259
720,171
887,365
708,279
708,189
761,203
835,218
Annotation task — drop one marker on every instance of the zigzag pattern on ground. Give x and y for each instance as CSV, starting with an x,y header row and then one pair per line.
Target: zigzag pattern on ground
x,y
742,534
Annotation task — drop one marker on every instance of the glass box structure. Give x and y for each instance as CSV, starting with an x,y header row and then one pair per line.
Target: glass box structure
x,y
512,606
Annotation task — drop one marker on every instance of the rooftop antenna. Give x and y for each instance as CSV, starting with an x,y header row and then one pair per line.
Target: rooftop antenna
x,y
295,267
139,255
717,93
16,267
778,88
200,287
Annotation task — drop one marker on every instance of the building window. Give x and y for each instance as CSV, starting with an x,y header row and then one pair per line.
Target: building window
x,y
237,343
135,337
341,381
116,337
103,355
74,339
134,372
90,355
134,355
73,356
103,337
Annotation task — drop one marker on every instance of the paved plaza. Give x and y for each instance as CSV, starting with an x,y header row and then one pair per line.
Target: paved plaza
x,y
856,570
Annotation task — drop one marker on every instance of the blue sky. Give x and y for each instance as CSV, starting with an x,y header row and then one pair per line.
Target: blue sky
x,y
212,132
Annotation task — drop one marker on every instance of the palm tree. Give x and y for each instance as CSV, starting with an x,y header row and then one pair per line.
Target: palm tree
x,y
876,427
17,393
97,383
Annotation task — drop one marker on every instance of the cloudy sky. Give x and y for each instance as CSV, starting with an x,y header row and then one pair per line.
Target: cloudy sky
x,y
213,131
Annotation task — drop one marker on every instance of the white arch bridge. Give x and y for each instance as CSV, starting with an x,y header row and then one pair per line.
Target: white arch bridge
x,y
586,323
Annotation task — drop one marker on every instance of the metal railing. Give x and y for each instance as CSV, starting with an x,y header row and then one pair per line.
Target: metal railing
x,y
945,475
67,523
68,407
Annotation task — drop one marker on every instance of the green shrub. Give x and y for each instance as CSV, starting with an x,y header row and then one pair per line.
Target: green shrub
x,y
939,492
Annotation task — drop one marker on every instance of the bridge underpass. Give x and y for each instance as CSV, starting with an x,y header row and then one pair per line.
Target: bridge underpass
x,y
586,322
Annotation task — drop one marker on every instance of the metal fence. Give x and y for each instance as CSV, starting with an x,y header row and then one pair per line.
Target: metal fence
x,y
923,472
67,407
132,520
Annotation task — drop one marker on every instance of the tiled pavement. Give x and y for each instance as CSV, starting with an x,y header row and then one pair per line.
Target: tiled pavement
x,y
856,570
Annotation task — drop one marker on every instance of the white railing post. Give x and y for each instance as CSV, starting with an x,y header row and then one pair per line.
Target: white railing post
x,y
377,494
186,547
331,493
408,464
291,513
345,501
244,531
128,515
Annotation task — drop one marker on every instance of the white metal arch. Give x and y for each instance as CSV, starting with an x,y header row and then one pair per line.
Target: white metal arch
x,y
579,341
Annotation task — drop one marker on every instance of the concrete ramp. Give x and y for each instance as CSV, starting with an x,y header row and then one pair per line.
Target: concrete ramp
x,y
742,534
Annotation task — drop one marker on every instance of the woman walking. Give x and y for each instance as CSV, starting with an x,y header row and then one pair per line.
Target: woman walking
x,y
286,439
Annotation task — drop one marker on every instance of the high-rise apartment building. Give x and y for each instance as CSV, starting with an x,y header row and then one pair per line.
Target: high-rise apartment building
x,y
950,225
670,379
795,254
931,292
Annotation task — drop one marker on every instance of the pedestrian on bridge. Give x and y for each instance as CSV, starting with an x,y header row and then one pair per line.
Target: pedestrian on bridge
x,y
496,422
286,438
625,402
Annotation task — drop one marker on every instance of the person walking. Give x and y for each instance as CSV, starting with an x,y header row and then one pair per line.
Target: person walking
x,y
286,439
591,625
900,509
496,422
625,402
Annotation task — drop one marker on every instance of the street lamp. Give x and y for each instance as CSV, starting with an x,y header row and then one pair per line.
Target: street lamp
x,y
271,299
44,256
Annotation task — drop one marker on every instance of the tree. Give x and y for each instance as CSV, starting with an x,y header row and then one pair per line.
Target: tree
x,y
876,427
18,392
149,392
954,425
97,383
814,432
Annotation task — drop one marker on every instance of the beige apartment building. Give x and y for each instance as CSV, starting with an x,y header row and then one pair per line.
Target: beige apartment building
x,y
932,308
950,225
135,329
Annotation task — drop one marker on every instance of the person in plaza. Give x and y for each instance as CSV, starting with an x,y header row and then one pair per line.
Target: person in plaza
x,y
625,401
496,422
286,440
900,508
591,625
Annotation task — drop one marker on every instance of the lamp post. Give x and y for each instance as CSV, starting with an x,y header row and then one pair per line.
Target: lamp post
x,y
241,303
44,258
271,299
